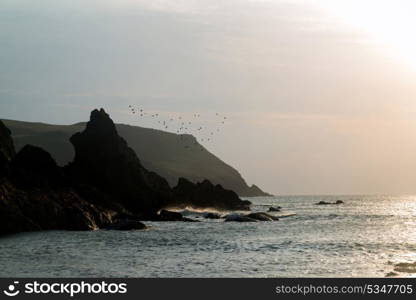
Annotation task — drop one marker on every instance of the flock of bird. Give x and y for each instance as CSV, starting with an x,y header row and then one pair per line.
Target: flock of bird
x,y
183,127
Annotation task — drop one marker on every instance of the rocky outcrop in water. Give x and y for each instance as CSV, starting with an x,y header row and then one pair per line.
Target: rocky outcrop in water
x,y
238,218
252,217
207,195
105,186
166,215
330,203
159,151
104,160
125,222
274,209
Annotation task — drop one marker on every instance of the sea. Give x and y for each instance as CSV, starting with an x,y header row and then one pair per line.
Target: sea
x,y
367,236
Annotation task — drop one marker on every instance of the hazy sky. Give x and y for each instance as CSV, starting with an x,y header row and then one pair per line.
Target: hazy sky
x,y
320,95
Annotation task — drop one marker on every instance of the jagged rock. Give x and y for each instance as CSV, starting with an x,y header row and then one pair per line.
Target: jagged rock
x,y
207,195
30,198
105,180
104,160
274,209
339,202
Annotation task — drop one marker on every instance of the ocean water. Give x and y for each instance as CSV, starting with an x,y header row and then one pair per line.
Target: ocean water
x,y
365,237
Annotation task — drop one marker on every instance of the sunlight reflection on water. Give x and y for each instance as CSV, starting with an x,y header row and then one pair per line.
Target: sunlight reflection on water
x,y
366,236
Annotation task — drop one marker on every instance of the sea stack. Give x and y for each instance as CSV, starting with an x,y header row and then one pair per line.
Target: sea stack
x,y
104,160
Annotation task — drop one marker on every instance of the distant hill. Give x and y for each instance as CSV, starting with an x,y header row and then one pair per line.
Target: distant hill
x,y
162,152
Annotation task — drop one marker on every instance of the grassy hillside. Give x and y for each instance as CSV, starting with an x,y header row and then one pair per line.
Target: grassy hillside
x,y
168,154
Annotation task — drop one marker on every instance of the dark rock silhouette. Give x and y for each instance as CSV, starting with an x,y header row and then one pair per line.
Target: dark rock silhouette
x,y
31,198
274,209
105,187
238,218
33,167
104,160
7,150
211,215
166,215
330,203
159,151
207,195
261,216
252,217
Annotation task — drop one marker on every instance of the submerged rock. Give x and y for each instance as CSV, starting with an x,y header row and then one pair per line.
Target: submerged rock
x,y
323,203
261,216
252,217
238,218
274,209
330,203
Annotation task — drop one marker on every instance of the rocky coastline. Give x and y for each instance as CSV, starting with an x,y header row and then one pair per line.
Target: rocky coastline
x,y
104,187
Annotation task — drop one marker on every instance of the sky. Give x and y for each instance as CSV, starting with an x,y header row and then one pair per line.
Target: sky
x,y
319,94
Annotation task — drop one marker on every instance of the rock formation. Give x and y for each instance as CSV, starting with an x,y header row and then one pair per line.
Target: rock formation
x,y
32,196
159,151
207,195
104,160
105,186
330,203
252,217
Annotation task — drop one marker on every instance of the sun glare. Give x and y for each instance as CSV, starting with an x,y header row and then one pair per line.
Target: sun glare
x,y
390,24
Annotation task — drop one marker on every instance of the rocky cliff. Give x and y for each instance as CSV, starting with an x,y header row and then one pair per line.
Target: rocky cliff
x,y
161,152
207,195
34,194
104,160
105,186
